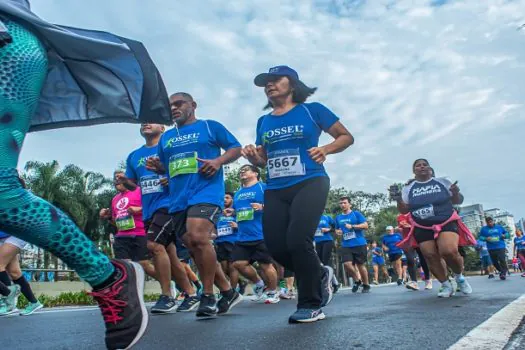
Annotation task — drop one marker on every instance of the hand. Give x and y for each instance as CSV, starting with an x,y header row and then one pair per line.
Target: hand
x,y
210,167
255,155
386,249
154,164
318,154
5,38
349,226
454,189
104,213
233,224
324,230
134,210
228,211
164,181
339,232
257,206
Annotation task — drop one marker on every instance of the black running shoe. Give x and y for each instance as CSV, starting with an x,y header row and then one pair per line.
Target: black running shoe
x,y
242,287
356,286
327,292
122,306
399,282
502,276
366,288
164,305
207,306
226,303
189,304
491,276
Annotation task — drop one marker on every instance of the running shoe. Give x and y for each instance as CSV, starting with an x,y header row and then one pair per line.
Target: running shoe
x,y
412,285
446,290
389,280
226,303
258,293
208,306
523,274
366,288
164,305
502,276
399,281
307,316
491,276
463,285
428,284
287,294
242,287
335,285
356,286
31,308
327,292
12,299
189,303
122,306
272,297
374,282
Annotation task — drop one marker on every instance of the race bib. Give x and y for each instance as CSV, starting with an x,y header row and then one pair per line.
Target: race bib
x,y
245,214
125,223
183,163
285,163
425,212
224,231
349,235
150,184
493,239
319,233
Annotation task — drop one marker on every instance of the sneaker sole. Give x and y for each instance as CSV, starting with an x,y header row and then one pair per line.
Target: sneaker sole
x,y
32,311
206,315
319,317
412,287
9,313
171,310
139,277
270,302
232,305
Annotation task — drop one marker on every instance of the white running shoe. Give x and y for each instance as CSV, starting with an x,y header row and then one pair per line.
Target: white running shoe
x,y
428,284
272,297
259,294
463,285
447,290
412,285
173,289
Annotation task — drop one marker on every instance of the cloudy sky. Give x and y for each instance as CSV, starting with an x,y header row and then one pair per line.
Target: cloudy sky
x,y
410,78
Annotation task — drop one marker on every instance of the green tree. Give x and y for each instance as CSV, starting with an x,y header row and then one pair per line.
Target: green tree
x,y
386,216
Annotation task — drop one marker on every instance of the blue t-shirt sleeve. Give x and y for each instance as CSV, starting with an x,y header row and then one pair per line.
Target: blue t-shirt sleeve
x,y
360,218
258,136
482,234
331,221
336,223
160,150
322,116
223,136
130,172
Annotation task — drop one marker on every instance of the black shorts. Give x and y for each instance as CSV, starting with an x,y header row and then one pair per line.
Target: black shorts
x,y
422,235
251,252
394,257
224,251
206,211
160,228
404,262
288,273
132,248
357,255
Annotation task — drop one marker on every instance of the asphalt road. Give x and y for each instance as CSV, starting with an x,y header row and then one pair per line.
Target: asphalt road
x,y
389,317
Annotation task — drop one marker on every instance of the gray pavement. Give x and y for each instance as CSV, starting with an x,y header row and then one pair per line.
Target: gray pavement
x,y
389,317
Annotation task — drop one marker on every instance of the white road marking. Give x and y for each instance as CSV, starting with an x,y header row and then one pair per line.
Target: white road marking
x,y
494,333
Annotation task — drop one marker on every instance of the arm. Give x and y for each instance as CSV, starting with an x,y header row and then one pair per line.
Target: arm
x,y
342,139
363,226
385,248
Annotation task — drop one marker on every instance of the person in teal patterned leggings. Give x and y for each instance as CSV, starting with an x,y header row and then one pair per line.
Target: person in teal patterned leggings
x,y
23,70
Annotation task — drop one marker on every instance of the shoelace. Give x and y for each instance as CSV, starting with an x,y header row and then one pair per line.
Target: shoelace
x,y
110,305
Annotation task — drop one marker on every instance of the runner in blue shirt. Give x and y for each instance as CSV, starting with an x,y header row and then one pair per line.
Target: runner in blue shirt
x,y
248,203
190,156
430,201
157,224
227,236
351,225
287,145
389,241
486,263
519,249
378,261
495,236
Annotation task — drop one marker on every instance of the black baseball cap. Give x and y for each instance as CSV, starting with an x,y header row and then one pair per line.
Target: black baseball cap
x,y
278,71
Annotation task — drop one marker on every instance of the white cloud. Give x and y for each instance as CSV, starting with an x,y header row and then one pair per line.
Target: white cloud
x,y
407,78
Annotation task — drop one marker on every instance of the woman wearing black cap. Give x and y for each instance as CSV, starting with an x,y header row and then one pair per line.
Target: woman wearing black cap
x,y
288,146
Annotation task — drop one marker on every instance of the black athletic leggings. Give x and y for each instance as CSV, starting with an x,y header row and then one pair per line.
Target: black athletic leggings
x,y
423,263
324,252
499,259
411,264
290,219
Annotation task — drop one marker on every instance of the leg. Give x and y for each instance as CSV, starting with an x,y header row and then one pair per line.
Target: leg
x,y
271,275
364,273
447,244
161,261
376,272
431,254
275,224
352,271
178,272
424,265
247,270
411,264
398,266
15,272
326,253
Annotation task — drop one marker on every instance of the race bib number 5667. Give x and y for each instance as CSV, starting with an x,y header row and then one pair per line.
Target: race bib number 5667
x,y
285,162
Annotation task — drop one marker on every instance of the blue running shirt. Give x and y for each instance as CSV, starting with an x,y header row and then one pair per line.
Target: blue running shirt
x,y
249,220
179,149
287,139
154,195
353,237
225,232
390,241
493,236
325,222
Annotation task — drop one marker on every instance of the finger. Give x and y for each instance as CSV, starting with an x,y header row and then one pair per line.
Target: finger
x,y
202,160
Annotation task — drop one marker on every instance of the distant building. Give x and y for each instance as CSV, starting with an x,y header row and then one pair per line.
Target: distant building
x,y
473,216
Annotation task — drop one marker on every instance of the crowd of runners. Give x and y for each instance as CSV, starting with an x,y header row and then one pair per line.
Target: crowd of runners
x,y
171,204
